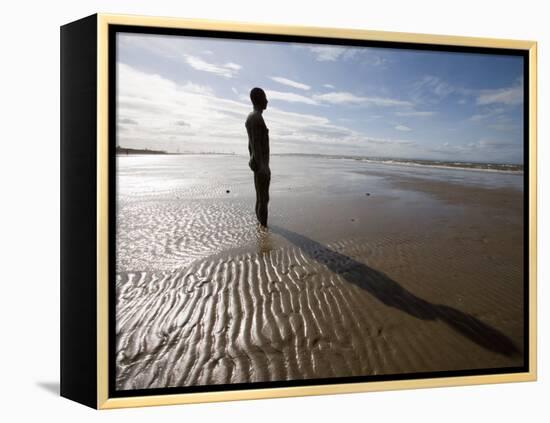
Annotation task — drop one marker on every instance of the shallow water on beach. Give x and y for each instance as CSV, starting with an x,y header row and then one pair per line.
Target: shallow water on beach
x,y
174,209
212,175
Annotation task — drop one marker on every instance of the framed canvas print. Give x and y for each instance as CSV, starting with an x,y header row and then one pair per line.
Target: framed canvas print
x,y
257,211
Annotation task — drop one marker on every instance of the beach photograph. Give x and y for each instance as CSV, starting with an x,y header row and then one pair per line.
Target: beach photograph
x,y
289,211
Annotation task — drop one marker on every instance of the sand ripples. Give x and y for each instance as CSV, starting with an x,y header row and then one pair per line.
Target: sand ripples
x,y
168,234
298,312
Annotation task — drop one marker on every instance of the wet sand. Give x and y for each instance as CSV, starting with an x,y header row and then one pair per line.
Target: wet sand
x,y
419,275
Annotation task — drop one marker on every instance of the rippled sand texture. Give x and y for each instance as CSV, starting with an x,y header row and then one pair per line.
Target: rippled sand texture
x,y
156,233
205,297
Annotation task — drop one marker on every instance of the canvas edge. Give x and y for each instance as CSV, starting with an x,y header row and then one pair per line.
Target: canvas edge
x,y
77,137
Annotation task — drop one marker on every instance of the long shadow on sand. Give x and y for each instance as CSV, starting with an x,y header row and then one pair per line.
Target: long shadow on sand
x,y
394,295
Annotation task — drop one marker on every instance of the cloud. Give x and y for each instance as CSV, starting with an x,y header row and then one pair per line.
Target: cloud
x,y
228,70
161,105
432,90
342,97
402,128
362,55
509,96
197,89
290,83
330,86
497,149
435,85
385,141
495,144
290,97
413,113
337,98
488,113
496,118
127,121
503,126
167,47
377,61
233,66
332,53
188,117
327,53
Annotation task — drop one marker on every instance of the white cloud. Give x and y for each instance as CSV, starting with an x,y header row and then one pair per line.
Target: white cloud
x,y
504,126
338,98
196,88
154,44
495,117
331,53
126,121
413,113
434,85
385,141
289,97
188,117
228,70
234,66
488,113
498,149
290,83
402,128
432,89
377,61
494,145
327,54
330,86
158,104
342,97
508,96
361,55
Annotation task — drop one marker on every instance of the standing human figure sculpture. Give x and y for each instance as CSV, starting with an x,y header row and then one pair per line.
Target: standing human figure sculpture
x,y
258,147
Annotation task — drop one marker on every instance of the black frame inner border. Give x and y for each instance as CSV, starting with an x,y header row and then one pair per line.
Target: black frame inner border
x,y
112,57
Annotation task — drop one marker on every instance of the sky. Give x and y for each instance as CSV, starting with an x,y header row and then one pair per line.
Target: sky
x,y
191,94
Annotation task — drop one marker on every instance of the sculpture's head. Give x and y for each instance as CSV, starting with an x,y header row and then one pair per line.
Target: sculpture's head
x,y
258,98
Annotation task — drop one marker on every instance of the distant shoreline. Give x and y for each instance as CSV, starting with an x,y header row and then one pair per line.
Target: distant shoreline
x,y
126,151
123,151
465,165
434,164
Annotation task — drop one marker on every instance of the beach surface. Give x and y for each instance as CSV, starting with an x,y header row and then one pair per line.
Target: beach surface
x,y
365,269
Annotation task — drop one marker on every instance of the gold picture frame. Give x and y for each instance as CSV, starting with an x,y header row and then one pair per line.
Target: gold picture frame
x,y
91,386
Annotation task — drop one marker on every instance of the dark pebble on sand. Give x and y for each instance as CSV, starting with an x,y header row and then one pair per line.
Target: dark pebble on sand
x,y
227,191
